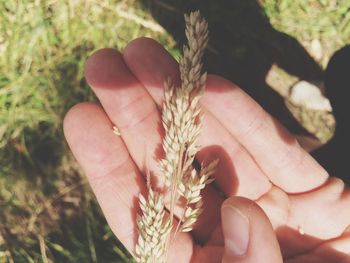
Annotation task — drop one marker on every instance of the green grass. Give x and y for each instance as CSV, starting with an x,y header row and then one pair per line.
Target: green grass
x,y
47,211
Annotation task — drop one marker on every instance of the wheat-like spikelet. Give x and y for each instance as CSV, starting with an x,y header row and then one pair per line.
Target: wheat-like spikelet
x,y
190,188
181,121
153,229
180,111
182,124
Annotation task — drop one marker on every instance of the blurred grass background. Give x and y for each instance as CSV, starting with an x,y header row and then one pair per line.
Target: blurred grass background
x,y
47,211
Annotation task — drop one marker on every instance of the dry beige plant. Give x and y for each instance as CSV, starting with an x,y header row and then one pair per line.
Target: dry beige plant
x,y
182,124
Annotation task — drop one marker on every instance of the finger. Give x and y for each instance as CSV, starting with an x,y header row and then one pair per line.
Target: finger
x,y
248,233
336,250
113,176
133,110
236,169
326,210
275,150
304,221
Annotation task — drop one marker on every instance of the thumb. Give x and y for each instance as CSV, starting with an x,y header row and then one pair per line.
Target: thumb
x,y
248,233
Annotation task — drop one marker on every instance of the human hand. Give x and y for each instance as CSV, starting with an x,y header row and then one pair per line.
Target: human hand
x,y
259,160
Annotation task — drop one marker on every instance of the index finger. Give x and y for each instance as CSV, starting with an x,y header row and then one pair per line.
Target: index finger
x,y
112,174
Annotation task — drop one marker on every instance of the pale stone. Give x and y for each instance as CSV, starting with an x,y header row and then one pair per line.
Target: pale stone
x,y
316,49
308,95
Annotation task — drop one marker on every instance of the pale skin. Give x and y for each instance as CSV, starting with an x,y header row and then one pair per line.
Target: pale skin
x,y
295,201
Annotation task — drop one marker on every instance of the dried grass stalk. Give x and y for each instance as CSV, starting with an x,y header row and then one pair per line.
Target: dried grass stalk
x,y
153,229
182,123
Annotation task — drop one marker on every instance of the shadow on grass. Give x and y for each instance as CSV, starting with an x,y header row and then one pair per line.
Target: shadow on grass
x,y
243,46
333,156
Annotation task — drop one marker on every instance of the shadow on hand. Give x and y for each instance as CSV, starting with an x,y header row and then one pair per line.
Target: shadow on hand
x,y
243,46
304,248
333,156
225,173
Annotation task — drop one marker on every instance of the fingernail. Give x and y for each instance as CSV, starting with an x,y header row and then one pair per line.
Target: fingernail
x,y
236,231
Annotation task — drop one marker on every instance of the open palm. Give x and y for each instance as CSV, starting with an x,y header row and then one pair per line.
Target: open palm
x,y
259,159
